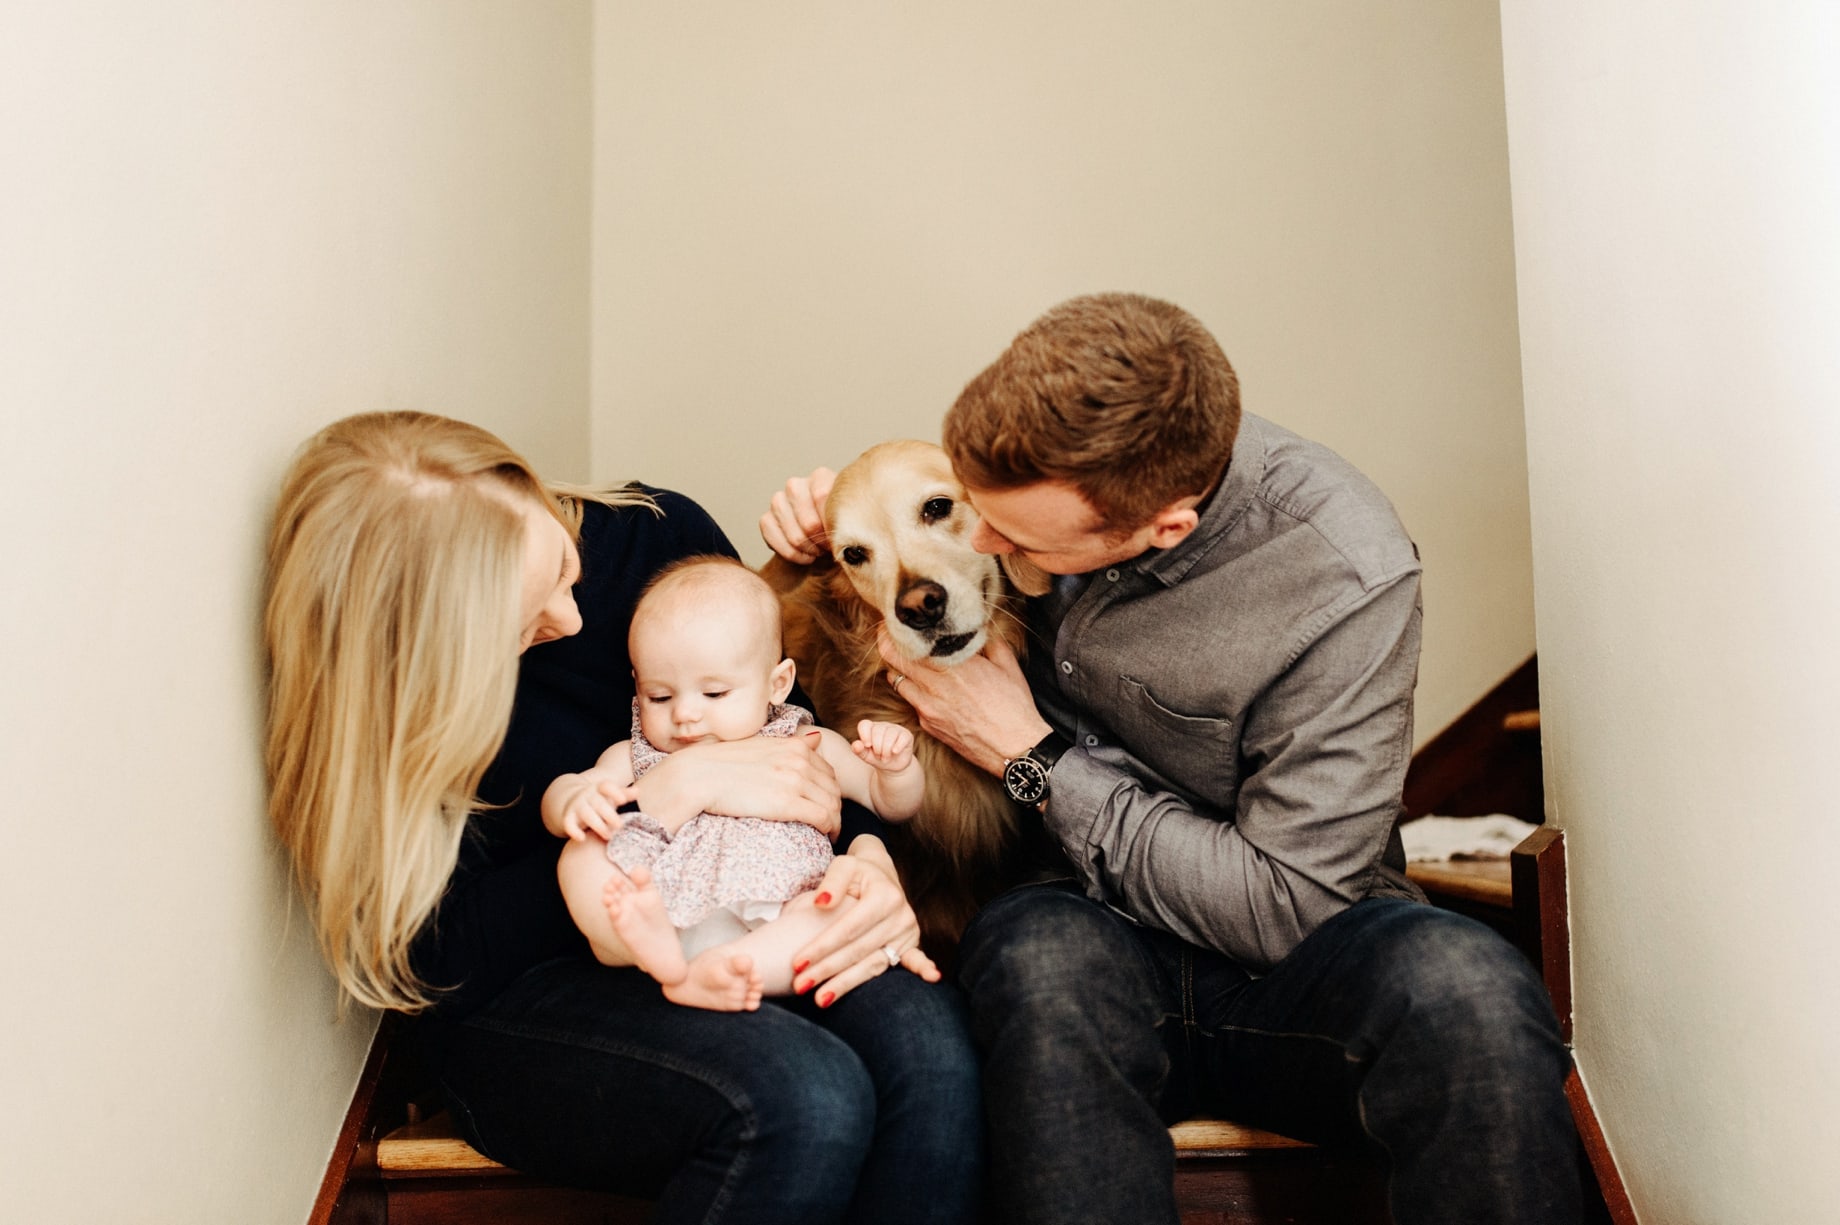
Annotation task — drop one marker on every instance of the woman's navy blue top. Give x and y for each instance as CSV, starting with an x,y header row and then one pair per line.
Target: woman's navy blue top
x,y
503,910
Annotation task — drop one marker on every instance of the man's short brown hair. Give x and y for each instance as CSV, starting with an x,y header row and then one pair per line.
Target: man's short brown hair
x,y
1127,399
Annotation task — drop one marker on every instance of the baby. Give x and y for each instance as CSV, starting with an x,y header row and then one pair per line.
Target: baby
x,y
716,910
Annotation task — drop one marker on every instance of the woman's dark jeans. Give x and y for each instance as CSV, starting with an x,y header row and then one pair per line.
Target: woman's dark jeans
x,y
867,1111
1395,1025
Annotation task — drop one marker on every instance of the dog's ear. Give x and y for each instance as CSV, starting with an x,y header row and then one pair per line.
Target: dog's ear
x,y
784,576
1025,576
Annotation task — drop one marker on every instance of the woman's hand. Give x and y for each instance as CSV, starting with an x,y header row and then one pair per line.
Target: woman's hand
x,y
775,778
850,951
793,526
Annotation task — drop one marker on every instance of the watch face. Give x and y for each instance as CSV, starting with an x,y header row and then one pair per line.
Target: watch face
x,y
1025,780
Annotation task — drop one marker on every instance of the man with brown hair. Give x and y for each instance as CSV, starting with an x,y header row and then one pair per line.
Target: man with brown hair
x,y
1214,723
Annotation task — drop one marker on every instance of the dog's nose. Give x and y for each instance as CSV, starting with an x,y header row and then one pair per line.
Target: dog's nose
x,y
921,606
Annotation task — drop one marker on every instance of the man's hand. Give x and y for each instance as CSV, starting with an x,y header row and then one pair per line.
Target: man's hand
x,y
982,708
793,526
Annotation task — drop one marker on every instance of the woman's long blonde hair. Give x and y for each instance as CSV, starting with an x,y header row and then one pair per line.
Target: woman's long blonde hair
x,y
392,626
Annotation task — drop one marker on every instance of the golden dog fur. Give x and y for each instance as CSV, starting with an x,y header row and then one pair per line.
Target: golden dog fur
x,y
900,552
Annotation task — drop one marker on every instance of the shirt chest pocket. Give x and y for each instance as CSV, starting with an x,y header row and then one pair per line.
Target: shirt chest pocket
x,y
1196,755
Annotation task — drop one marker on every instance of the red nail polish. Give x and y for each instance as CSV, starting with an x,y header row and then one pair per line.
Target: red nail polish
x,y
824,1001
800,964
823,899
802,988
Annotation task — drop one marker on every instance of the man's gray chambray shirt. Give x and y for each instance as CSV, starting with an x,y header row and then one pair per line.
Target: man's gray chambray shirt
x,y
1240,707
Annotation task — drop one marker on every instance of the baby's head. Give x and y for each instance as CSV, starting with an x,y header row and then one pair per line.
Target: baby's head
x,y
705,648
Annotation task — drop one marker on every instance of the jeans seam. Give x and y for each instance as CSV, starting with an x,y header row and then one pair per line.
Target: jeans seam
x,y
1191,1021
1281,1033
1360,1114
735,1097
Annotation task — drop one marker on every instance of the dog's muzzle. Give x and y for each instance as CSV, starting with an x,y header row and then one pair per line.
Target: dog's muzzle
x,y
921,606
951,644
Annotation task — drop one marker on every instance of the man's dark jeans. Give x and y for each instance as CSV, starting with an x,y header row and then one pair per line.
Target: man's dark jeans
x,y
864,1112
1394,1025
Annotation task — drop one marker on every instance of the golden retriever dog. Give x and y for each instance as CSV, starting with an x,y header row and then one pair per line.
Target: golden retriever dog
x,y
900,553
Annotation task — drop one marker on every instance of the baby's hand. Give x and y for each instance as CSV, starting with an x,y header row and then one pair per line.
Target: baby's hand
x,y
886,746
595,807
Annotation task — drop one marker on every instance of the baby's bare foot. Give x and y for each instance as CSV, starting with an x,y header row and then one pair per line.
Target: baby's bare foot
x,y
720,982
636,910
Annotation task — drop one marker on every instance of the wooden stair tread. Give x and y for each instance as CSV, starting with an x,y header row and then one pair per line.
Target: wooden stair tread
x,y
1220,1136
432,1146
435,1147
1485,881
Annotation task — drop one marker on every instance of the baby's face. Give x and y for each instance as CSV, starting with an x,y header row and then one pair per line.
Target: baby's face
x,y
703,676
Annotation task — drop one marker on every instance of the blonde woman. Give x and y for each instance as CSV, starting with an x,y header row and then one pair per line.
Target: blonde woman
x,y
446,636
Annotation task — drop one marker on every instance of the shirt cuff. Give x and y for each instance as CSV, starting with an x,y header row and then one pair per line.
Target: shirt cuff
x,y
1079,794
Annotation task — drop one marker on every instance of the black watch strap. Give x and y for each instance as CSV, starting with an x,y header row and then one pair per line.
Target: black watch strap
x,y
1049,749
1026,777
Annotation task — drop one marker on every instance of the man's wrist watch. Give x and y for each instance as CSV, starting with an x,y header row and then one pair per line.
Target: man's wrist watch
x,y
1026,777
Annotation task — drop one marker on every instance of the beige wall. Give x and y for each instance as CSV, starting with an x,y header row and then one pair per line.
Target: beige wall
x,y
1676,190
223,224
815,221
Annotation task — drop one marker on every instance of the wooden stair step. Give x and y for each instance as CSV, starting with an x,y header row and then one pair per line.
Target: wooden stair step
x,y
1226,1174
433,1148
1208,1137
1486,882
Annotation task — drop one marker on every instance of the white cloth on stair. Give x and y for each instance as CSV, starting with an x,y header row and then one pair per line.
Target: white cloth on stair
x,y
1434,839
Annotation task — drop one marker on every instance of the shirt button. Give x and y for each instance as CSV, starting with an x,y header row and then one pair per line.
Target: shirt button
x,y
1067,666
1091,741
1112,575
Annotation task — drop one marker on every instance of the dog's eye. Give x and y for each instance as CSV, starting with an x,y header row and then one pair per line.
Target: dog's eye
x,y
855,555
935,509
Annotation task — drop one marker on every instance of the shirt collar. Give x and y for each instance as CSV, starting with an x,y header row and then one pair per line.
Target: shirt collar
x,y
1219,511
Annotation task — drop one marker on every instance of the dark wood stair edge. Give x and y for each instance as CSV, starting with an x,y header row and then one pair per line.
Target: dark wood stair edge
x,y
1610,1189
1542,924
338,1201
1456,759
